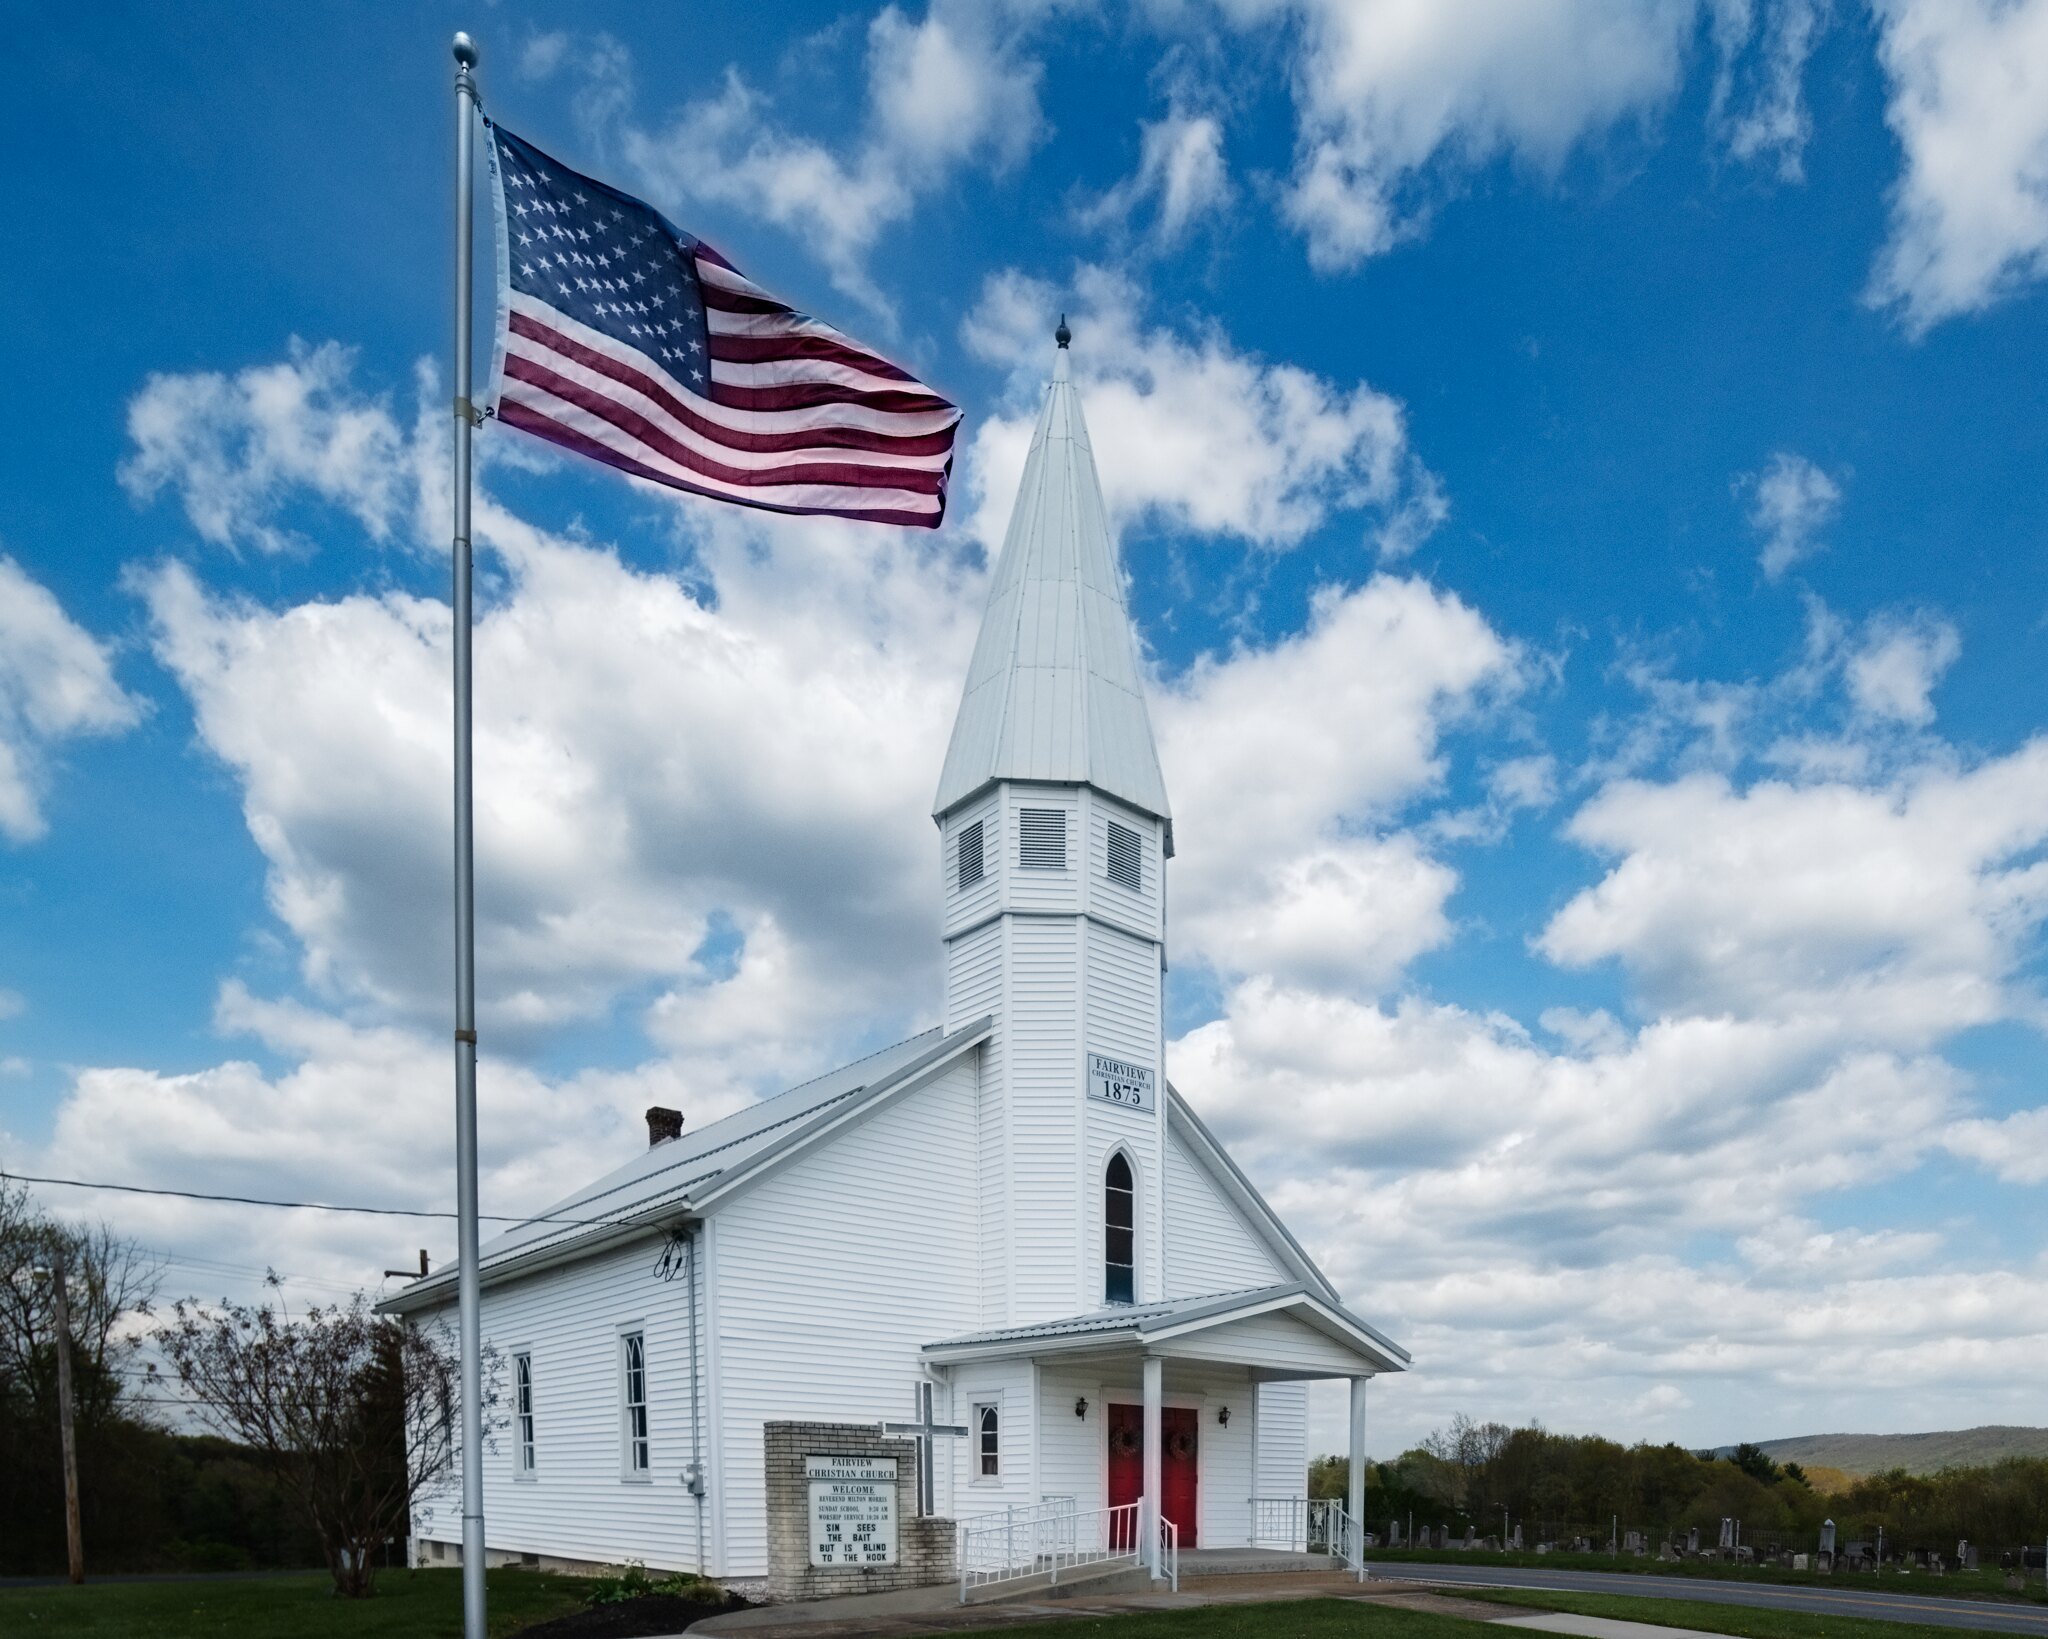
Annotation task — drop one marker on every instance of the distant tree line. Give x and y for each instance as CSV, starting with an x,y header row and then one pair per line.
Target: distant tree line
x,y
1560,1486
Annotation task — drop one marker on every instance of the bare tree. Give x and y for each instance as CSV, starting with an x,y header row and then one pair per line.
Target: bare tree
x,y
359,1412
111,1281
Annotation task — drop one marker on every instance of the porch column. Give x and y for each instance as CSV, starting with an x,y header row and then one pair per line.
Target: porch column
x,y
1356,1500
1148,1511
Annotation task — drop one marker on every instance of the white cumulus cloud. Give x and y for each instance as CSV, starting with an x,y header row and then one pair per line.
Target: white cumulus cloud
x,y
1791,501
952,89
1969,106
1188,431
56,683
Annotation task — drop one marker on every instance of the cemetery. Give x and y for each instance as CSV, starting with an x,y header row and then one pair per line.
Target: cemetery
x,y
1530,1498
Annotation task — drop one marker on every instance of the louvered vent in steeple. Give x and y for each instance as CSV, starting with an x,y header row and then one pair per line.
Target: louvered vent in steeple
x,y
1126,857
970,854
1042,839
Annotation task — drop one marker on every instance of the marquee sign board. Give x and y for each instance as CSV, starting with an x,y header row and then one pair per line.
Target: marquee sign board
x,y
1117,1081
853,1509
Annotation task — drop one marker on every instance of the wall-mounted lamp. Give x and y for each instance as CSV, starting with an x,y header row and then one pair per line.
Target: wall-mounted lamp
x,y
1081,1407
1223,1418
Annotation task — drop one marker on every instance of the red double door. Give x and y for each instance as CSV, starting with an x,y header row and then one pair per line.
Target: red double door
x,y
1178,1458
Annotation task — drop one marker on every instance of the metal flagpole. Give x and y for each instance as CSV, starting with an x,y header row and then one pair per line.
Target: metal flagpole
x,y
469,1288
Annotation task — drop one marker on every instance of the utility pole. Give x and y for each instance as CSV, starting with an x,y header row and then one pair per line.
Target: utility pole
x,y
74,1533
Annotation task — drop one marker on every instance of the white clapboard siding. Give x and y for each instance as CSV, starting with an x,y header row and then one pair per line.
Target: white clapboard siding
x,y
1282,1440
1037,889
832,1275
1210,1247
975,989
1277,1340
1043,1065
972,902
1005,1384
1123,996
1110,899
579,1502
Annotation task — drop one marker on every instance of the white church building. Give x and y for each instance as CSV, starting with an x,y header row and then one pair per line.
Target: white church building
x,y
1015,1207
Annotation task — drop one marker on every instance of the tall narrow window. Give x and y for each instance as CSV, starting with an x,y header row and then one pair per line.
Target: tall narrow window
x,y
1119,1232
988,1441
970,854
634,1366
1126,857
1042,839
522,1386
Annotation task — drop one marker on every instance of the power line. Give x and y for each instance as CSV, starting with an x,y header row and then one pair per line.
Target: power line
x,y
308,1206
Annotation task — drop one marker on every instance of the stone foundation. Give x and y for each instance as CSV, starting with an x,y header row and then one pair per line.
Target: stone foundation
x,y
924,1547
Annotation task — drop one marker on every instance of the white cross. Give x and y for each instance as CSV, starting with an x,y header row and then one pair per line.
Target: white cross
x,y
924,1430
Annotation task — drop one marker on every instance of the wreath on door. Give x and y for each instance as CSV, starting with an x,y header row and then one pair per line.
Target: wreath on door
x,y
1180,1445
1124,1442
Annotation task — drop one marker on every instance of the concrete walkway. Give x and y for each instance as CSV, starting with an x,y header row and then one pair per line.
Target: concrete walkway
x,y
1599,1627
937,1610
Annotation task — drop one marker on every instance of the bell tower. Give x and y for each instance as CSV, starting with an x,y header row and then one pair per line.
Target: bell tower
x,y
1055,832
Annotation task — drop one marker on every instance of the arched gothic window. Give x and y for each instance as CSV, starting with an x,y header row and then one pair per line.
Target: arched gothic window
x,y
1119,1232
988,1436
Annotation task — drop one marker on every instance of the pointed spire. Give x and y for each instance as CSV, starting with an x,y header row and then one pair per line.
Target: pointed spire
x,y
1054,692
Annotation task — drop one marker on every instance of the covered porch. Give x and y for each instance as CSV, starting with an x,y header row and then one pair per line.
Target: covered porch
x,y
1136,1436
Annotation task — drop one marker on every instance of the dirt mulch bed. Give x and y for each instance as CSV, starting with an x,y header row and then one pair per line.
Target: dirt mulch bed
x,y
643,1618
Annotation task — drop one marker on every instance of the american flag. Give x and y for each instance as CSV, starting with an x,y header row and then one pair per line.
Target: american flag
x,y
627,340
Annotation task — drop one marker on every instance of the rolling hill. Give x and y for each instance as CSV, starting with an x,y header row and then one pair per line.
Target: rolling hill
x,y
1916,1453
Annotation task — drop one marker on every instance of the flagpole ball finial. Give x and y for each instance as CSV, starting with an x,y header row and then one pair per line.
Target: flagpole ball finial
x,y
1063,335
465,50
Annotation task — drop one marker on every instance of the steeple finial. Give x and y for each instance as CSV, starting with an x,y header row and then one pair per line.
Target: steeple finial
x,y
1063,335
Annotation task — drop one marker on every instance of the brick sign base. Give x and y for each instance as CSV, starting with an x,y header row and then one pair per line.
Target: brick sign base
x,y
924,1546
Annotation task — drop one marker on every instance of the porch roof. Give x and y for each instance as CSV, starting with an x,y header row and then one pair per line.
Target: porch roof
x,y
1184,1325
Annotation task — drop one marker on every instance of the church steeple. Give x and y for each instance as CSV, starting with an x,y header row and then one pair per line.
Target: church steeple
x,y
1054,833
1054,693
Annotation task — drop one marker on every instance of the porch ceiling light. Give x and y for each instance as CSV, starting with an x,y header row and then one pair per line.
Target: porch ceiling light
x,y
1081,1406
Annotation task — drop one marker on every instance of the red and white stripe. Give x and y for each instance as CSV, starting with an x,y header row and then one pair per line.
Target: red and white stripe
x,y
797,417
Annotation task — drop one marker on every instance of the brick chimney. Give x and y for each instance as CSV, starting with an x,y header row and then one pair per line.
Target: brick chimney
x,y
663,1124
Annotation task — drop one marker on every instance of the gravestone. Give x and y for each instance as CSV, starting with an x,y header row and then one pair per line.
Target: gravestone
x,y
1515,1539
1827,1536
843,1513
1728,1533
1966,1556
1692,1540
1393,1533
1798,1562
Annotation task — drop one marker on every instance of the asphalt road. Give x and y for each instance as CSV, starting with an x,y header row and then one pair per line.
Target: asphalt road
x,y
1985,1615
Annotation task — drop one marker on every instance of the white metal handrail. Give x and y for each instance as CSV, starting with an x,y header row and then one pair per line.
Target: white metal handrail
x,y
1313,1525
1045,1540
1169,1552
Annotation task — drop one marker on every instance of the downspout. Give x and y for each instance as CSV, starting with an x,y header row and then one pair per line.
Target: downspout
x,y
697,1376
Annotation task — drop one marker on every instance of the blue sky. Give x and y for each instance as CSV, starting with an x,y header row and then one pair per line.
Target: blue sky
x,y
1579,469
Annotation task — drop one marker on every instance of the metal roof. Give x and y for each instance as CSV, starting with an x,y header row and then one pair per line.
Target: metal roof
x,y
1054,692
674,1176
1141,1321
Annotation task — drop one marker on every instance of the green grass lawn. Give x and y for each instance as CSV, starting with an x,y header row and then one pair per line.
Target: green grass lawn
x,y
1690,1613
407,1605
1978,1584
